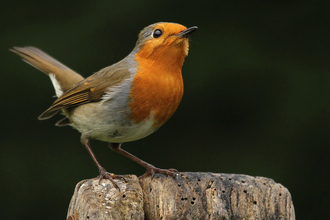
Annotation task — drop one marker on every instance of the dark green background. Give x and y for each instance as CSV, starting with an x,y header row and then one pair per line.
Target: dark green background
x,y
256,97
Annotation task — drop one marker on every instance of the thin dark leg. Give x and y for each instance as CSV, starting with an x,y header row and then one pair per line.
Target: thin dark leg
x,y
151,170
103,173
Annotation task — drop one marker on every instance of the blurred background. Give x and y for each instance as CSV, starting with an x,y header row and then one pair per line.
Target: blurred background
x,y
256,97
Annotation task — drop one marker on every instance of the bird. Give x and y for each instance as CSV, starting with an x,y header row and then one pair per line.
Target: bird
x,y
123,102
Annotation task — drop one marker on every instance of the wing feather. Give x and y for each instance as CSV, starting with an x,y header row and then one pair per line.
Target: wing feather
x,y
89,90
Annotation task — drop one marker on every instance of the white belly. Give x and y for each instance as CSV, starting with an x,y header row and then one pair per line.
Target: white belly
x,y
105,123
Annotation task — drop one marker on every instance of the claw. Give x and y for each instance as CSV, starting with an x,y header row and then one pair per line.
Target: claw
x,y
151,170
177,173
174,170
110,176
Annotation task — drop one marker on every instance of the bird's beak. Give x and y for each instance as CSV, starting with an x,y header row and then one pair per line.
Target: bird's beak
x,y
187,32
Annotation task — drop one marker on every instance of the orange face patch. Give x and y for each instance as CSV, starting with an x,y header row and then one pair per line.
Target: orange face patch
x,y
157,87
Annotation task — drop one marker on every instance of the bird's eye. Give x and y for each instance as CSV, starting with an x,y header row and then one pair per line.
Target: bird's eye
x,y
157,33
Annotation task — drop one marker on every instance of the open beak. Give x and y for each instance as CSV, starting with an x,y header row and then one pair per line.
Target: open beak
x,y
187,32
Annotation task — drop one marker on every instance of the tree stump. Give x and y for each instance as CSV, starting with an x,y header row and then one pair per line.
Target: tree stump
x,y
189,196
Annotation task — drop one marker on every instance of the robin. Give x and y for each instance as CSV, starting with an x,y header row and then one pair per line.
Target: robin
x,y
123,102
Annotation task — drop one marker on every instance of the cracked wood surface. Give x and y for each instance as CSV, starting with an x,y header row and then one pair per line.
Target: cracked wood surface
x,y
189,196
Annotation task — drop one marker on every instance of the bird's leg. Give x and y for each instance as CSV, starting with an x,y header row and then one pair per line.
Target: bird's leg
x,y
151,170
103,173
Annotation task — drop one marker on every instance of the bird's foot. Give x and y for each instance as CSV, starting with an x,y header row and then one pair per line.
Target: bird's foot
x,y
110,176
151,170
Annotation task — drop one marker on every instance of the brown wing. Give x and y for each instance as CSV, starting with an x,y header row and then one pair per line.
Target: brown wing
x,y
89,90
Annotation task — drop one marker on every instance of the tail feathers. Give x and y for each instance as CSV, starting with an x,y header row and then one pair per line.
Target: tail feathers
x,y
62,77
63,122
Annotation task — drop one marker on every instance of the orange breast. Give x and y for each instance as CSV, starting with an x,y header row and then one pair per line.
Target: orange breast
x,y
156,91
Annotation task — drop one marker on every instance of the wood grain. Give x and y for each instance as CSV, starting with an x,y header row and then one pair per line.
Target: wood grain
x,y
189,196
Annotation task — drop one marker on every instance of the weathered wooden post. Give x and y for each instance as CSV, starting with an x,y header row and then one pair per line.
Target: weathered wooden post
x,y
190,196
